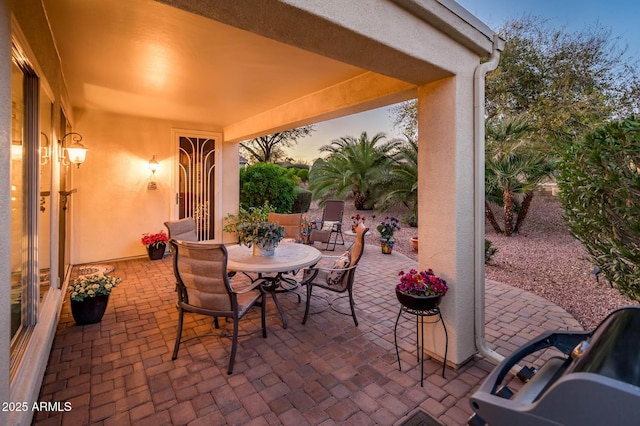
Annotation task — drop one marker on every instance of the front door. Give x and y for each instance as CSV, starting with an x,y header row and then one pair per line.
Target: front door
x,y
196,195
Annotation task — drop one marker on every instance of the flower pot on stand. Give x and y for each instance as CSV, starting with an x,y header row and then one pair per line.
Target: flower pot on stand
x,y
90,310
156,251
418,303
386,245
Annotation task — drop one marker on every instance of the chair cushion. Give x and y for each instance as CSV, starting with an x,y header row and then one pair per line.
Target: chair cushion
x,y
328,225
343,261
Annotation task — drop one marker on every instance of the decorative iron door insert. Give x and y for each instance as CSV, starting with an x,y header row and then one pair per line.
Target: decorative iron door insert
x,y
196,196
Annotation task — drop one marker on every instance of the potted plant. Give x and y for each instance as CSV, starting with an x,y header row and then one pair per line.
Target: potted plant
x,y
386,229
414,243
420,291
356,220
253,229
155,244
263,236
89,296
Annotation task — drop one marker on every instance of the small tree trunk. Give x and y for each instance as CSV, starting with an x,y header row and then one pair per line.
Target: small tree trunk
x,y
524,209
507,197
359,200
488,213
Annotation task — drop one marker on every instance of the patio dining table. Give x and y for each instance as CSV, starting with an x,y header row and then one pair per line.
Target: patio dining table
x,y
288,256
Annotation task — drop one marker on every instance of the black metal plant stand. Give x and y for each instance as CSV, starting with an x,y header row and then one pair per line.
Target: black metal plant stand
x,y
420,315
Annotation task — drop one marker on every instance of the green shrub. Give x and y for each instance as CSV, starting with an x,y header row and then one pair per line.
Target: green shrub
x,y
303,174
266,183
599,185
489,251
302,202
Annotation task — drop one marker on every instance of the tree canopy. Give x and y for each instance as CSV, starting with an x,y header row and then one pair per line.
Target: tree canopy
x,y
270,148
353,166
565,84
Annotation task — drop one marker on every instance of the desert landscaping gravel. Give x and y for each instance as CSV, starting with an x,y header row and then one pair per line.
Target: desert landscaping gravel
x,y
542,258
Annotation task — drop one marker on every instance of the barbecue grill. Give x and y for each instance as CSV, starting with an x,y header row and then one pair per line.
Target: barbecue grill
x,y
596,382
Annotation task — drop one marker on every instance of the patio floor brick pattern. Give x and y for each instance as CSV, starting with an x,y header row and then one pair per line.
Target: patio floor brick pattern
x,y
120,371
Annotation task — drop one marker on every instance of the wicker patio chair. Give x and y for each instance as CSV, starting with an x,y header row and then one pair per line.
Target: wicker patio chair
x,y
338,277
205,288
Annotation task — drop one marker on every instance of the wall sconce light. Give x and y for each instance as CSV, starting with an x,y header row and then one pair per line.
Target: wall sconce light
x,y
153,166
76,152
44,149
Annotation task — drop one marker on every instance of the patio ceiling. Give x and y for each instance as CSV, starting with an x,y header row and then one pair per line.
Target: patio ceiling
x,y
144,58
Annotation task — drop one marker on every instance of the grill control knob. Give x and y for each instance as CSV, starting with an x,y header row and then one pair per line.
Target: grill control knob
x,y
578,351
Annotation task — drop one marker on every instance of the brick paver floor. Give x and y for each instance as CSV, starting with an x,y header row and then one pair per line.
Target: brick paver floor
x,y
120,372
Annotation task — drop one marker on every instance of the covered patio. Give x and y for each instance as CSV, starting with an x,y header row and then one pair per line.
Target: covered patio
x,y
120,371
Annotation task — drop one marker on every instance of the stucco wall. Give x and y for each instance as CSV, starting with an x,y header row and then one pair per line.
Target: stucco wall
x,y
112,207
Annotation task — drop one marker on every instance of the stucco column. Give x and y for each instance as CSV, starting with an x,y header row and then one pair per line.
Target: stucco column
x,y
445,215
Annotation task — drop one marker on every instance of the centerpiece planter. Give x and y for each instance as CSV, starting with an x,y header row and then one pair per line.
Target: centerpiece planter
x,y
263,250
89,295
254,229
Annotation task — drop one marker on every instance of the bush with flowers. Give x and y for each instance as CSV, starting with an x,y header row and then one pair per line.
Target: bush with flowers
x,y
92,285
423,283
153,240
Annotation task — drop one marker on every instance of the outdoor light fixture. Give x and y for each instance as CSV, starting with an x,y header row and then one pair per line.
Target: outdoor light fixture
x,y
153,165
76,152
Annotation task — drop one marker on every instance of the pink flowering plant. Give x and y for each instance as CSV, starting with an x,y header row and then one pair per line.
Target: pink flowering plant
x,y
423,283
152,240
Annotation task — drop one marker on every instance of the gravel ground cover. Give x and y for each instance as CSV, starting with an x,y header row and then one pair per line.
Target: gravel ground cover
x,y
543,258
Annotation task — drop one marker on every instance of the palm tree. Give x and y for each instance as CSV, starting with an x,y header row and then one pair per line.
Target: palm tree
x,y
353,166
513,170
402,185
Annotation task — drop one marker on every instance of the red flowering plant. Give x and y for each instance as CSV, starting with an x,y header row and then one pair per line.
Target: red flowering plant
x,y
357,219
152,240
423,283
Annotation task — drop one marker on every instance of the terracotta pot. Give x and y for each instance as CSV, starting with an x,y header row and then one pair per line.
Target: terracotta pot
x,y
414,243
156,252
90,310
418,303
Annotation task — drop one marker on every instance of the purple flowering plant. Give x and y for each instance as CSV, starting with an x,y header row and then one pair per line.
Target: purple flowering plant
x,y
388,227
423,283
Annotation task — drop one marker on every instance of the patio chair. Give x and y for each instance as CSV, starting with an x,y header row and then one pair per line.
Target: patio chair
x,y
330,226
205,288
338,277
183,229
290,222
